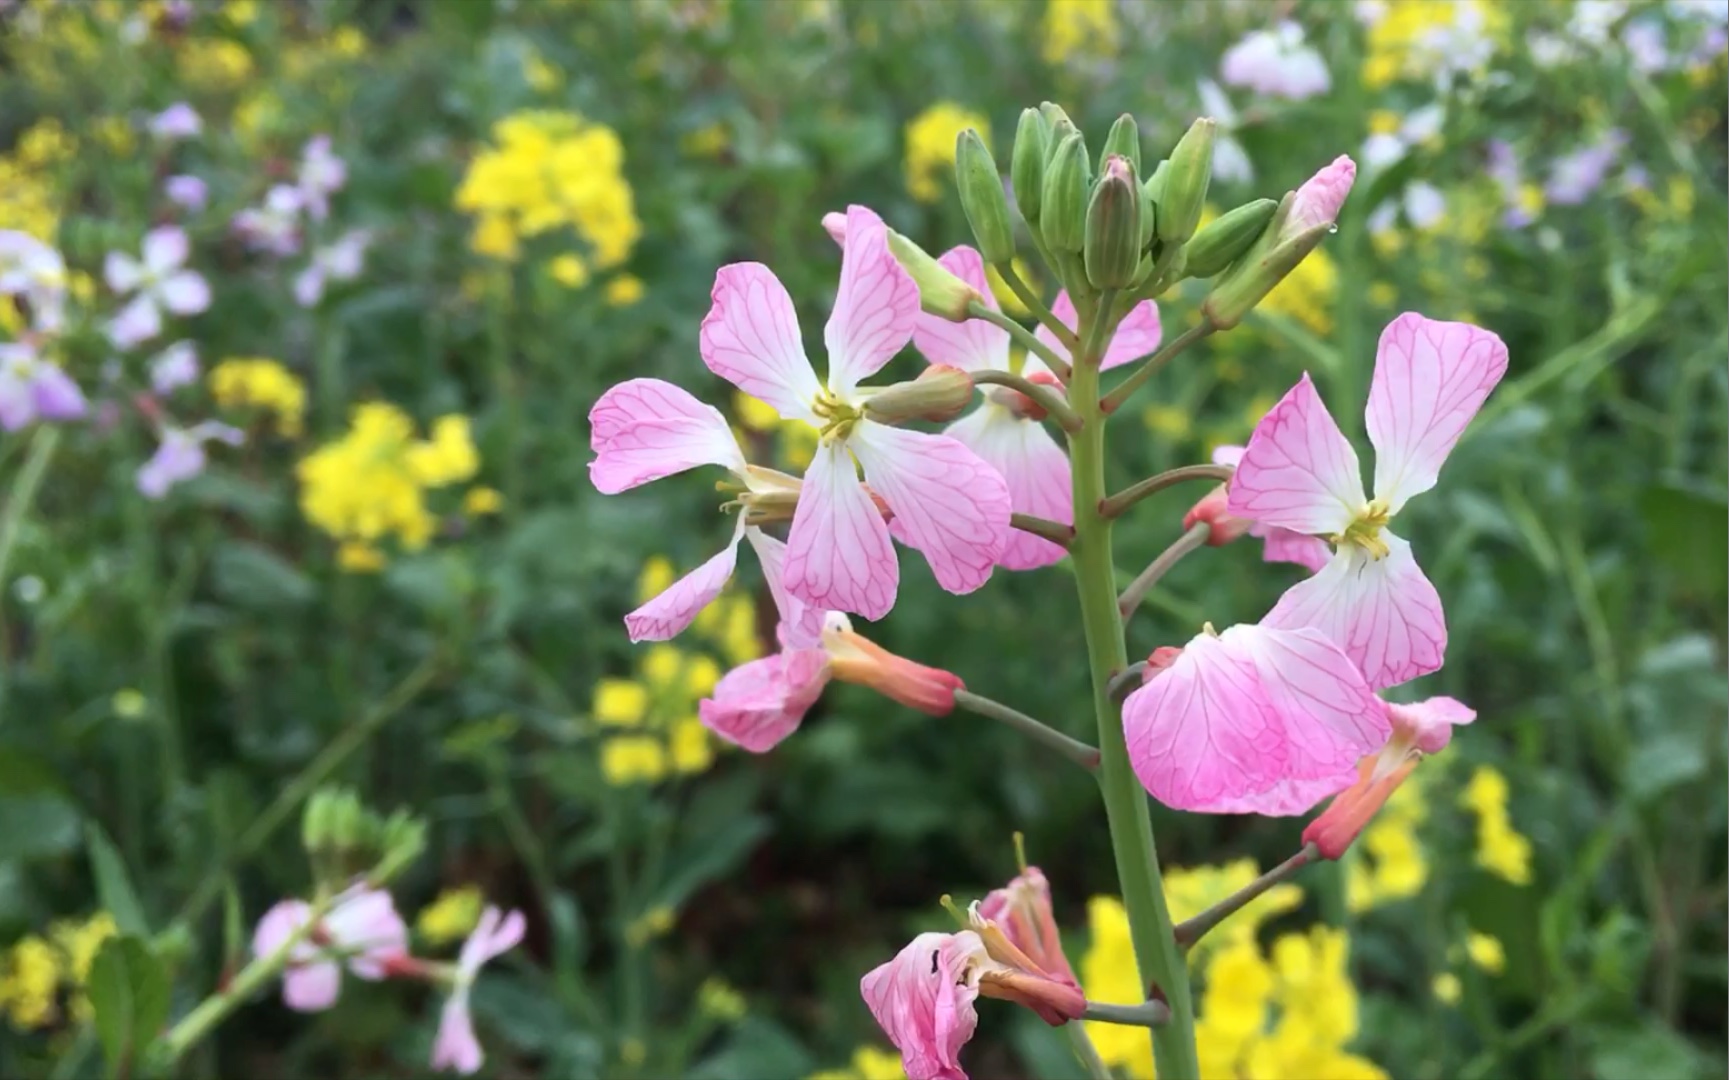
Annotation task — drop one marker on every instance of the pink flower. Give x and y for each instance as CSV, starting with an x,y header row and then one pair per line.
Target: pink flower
x,y
32,388
455,1046
1276,63
174,367
160,282
362,927
1022,908
1255,720
33,270
338,261
186,191
1321,197
757,704
322,173
1419,729
1279,545
180,456
646,429
1005,431
1299,473
947,502
178,121
275,226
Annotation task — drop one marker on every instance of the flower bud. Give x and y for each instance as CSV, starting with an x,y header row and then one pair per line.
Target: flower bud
x,y
1063,213
939,394
1060,124
1184,194
1222,241
1027,165
317,823
982,198
1255,275
1149,217
1020,404
1163,657
941,293
856,659
1113,239
1124,140
1320,198
1222,527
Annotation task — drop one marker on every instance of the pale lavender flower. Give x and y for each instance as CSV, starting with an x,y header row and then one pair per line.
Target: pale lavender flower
x,y
455,1046
321,174
1573,177
32,388
174,367
180,456
275,226
1276,63
186,191
1230,161
33,270
178,121
159,280
340,261
1647,48
1503,168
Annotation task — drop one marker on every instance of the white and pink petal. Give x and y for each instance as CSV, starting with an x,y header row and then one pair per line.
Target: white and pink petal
x,y
1036,470
750,338
1298,471
645,429
839,556
875,306
667,615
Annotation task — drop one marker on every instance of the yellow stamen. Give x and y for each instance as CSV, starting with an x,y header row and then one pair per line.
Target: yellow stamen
x,y
1365,530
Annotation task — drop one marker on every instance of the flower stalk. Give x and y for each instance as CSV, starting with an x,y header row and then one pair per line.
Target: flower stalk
x,y
1192,930
1022,337
1045,397
1035,304
1126,389
1159,567
1129,496
1076,751
1054,531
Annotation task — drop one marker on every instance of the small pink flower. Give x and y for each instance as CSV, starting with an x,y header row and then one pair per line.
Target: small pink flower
x,y
322,174
339,261
1022,908
1255,720
1299,473
946,501
275,226
32,389
1280,545
160,282
1321,197
174,367
178,121
180,456
186,191
455,1046
362,928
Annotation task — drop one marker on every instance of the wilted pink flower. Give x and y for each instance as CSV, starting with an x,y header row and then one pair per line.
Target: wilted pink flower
x,y
362,930
1419,729
180,456
1022,909
1276,63
1300,473
275,226
455,1046
1281,545
178,121
1254,720
340,261
35,271
32,388
1320,198
174,367
186,191
946,501
160,281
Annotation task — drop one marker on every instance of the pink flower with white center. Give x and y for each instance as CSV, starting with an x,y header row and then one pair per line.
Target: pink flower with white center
x,y
180,456
760,703
947,502
646,429
1256,720
1279,545
1276,63
322,174
1003,431
160,282
275,226
362,930
32,389
1300,473
1419,729
455,1046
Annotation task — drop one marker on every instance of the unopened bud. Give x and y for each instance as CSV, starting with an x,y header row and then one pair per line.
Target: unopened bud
x,y
1224,240
1027,165
1320,198
1061,126
1183,196
1113,241
1149,217
347,823
1222,527
1124,140
1163,657
939,394
856,659
1063,215
1237,293
987,208
1022,405
941,293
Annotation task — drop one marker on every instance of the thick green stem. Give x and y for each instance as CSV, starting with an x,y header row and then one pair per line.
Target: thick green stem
x,y
1159,959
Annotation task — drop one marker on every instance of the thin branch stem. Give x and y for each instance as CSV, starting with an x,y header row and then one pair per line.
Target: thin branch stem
x,y
1073,749
1022,337
1087,1053
1031,301
1054,531
1123,683
1147,1014
1192,930
1047,398
1152,485
1144,582
42,445
1126,389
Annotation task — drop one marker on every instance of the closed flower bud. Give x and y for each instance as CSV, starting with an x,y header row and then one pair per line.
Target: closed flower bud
x,y
1124,140
982,198
1237,293
1063,212
856,659
941,293
1027,165
1055,116
1113,239
317,823
1183,195
1320,198
1149,217
1224,240
939,394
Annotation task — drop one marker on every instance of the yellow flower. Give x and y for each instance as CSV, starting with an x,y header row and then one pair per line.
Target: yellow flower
x,y
633,1051
31,976
45,144
624,290
1087,28
715,998
1383,294
449,456
633,759
240,12
1168,421
482,500
656,577
649,925
213,64
80,942
1192,891
540,75
754,414
709,141
1108,973
569,271
1447,988
1239,986
128,703
358,557
1404,44
494,238
930,139
260,383
348,42
1500,848
874,1063
690,746
620,702
1486,952
450,917
1306,294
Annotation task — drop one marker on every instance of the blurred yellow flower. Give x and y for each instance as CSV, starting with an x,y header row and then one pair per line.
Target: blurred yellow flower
x,y
754,414
448,457
930,139
540,75
649,925
620,702
45,144
633,759
481,500
1501,849
213,64
656,577
1389,863
717,999
1306,294
29,980
868,1063
259,383
690,746
359,558
624,290
1447,988
79,942
1412,39
708,141
1006,298
1486,951
568,270
240,12
1168,421
451,916
1084,28
128,703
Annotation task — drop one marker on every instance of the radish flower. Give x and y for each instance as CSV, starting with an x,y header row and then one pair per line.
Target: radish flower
x,y
362,928
455,1046
1280,545
159,281
1299,473
32,388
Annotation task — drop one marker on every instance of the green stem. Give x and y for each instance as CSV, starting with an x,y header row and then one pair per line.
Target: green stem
x,y
1087,1052
1192,930
1159,567
1073,749
1030,299
1157,956
1126,389
1022,337
1054,531
1046,398
42,446
1148,1014
1134,493
1102,322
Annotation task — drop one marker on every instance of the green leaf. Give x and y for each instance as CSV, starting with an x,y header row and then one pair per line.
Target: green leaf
x,y
704,858
113,883
129,993
1689,537
252,576
37,826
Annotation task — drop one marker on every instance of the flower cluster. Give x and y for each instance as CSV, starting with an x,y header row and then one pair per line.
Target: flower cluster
x,y
1077,28
264,385
38,972
651,719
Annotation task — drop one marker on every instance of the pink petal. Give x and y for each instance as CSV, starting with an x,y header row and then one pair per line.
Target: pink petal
x,y
1321,197
367,924
874,308
838,555
758,704
1064,309
1298,472
122,272
311,987
138,321
750,338
185,293
1283,545
1430,722
644,429
165,249
800,623
668,614
494,935
1290,796
1204,733
1137,335
1430,379
948,503
923,1000
1227,455
278,925
834,223
1383,613
1331,717
969,345
455,1046
1037,472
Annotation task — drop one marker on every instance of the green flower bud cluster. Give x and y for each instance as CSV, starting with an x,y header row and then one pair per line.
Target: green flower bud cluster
x,y
345,839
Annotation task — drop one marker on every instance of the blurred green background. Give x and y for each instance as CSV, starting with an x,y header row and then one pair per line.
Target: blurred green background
x,y
547,189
